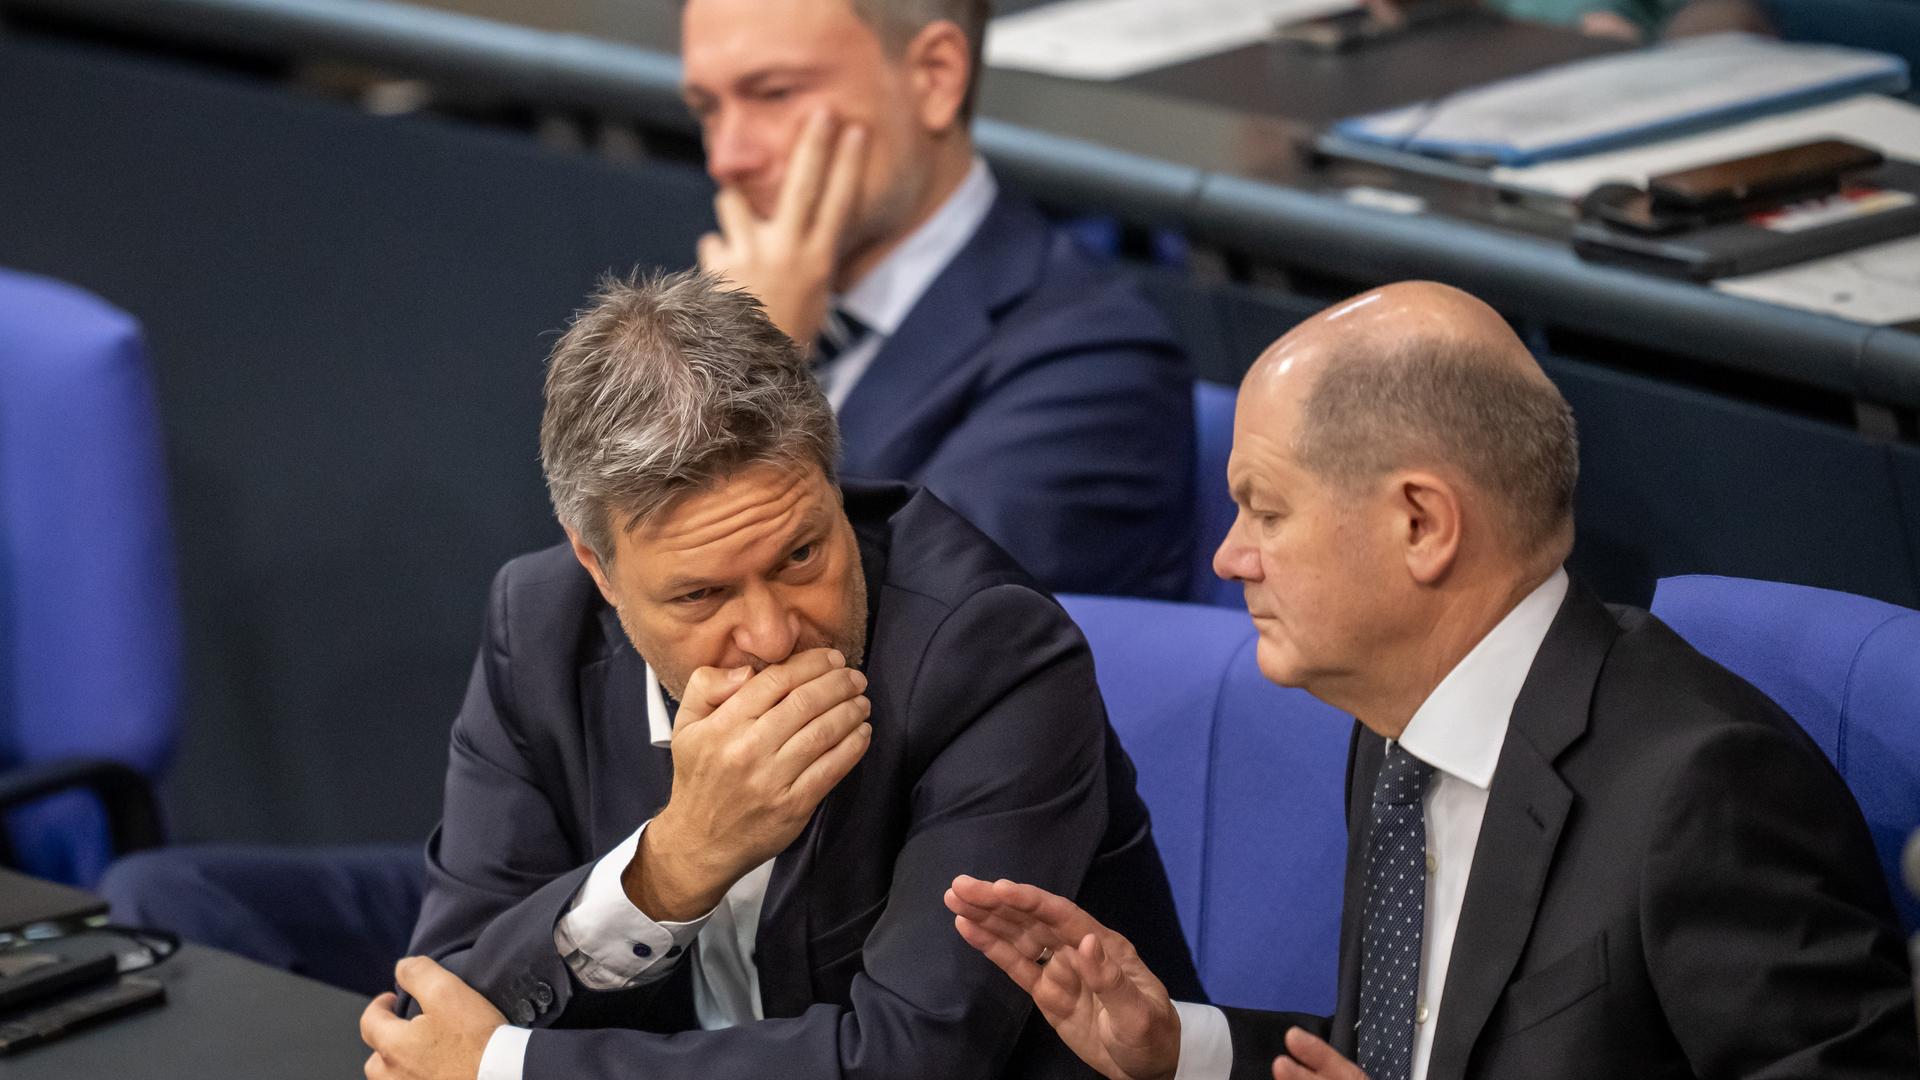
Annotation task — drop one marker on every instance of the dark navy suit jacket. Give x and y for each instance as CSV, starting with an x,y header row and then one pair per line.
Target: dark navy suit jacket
x,y
991,755
1671,881
1043,398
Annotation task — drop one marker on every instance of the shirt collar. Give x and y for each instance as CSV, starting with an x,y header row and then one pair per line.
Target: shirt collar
x,y
659,724
882,299
1462,725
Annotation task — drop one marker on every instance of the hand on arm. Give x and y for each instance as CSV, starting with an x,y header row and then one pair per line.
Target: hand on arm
x,y
1101,1000
1312,1059
752,758
445,1042
787,260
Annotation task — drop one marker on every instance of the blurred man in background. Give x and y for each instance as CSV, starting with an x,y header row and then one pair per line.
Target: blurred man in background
x,y
963,342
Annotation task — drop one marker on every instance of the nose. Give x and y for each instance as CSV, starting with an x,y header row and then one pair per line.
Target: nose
x,y
1235,559
736,150
768,628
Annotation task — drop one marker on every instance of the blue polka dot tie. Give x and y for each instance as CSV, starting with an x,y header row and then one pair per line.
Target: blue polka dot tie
x,y
1393,916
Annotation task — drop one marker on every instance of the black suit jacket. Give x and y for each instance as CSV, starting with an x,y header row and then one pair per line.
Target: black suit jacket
x,y
1671,881
991,755
1042,397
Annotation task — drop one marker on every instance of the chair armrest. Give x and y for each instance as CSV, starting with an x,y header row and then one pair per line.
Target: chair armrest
x,y
133,814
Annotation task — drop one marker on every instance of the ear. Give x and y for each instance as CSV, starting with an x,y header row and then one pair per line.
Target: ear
x,y
592,562
939,66
1428,514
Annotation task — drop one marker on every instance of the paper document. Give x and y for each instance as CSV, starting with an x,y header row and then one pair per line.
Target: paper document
x,y
1112,39
1625,98
1889,125
1878,285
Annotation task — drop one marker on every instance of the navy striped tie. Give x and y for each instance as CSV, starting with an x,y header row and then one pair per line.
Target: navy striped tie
x,y
839,333
1393,916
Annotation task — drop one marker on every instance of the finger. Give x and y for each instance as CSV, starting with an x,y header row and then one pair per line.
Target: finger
x,y
841,192
1017,965
433,986
1029,939
1022,930
987,903
1314,1057
978,892
1131,1014
376,1068
806,170
738,223
712,253
379,1027
708,688
803,705
821,734
775,681
1063,916
832,767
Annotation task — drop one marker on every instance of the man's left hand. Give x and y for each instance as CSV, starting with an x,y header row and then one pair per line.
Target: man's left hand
x,y
447,1039
1312,1059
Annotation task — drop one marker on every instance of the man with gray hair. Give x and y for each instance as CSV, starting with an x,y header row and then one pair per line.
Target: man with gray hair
x,y
1576,847
965,344
723,747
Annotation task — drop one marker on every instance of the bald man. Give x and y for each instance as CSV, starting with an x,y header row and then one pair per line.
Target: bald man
x,y
1577,848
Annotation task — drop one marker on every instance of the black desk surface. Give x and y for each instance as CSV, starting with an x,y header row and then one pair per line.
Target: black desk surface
x,y
225,1019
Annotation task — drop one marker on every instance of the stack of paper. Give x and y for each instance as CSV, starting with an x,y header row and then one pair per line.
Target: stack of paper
x,y
1593,105
1886,124
1878,285
1112,39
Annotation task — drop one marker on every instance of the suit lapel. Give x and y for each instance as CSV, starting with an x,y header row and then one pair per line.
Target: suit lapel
x,y
946,328
628,778
1527,805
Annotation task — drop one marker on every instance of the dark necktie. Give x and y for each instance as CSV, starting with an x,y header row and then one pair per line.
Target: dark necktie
x,y
839,333
1393,916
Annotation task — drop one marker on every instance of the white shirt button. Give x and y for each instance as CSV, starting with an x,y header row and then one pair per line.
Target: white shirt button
x,y
1420,1013
1433,864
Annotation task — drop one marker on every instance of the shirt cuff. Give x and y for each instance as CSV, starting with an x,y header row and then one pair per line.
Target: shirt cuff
x,y
506,1055
608,943
1206,1046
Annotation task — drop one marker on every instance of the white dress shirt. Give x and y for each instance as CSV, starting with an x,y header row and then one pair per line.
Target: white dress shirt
x,y
1458,730
882,299
609,944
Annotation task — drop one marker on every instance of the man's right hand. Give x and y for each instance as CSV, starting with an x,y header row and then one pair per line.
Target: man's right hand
x,y
1092,987
752,758
787,260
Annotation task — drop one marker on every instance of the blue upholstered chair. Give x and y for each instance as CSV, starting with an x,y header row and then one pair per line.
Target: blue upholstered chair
x,y
89,626
1846,667
1246,784
1213,505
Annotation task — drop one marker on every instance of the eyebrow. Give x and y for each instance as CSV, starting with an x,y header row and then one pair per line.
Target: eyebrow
x,y
689,92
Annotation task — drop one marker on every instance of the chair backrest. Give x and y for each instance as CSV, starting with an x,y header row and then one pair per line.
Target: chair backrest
x,y
1213,509
1846,667
89,625
1246,784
